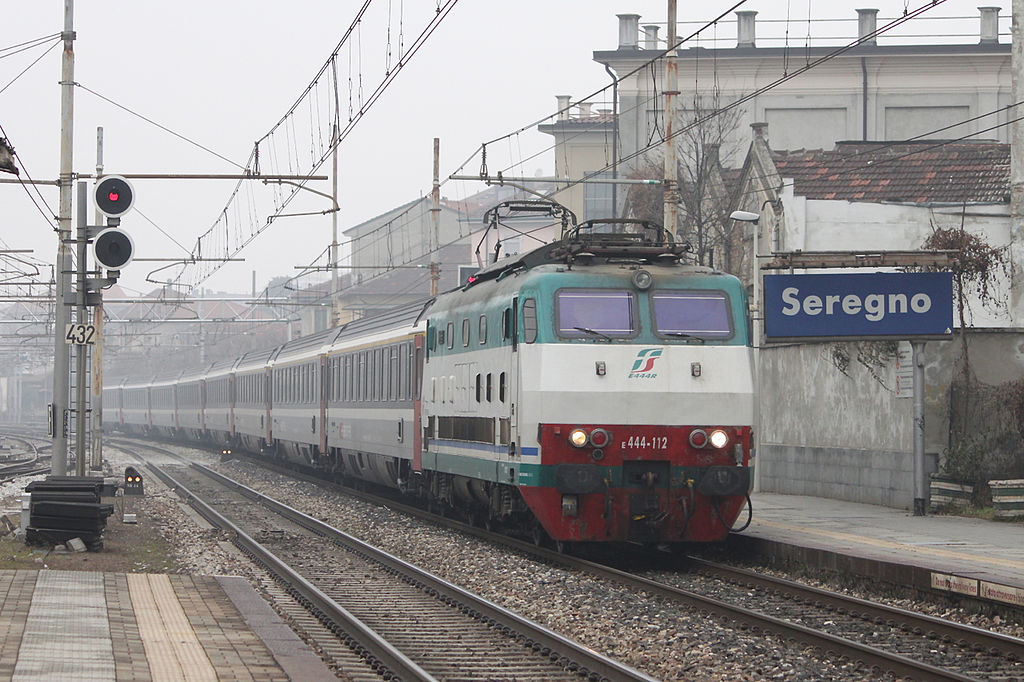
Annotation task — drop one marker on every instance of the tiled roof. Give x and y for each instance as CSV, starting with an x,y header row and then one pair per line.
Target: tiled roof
x,y
919,172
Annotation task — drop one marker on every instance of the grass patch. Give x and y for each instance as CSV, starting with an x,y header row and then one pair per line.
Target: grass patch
x,y
127,548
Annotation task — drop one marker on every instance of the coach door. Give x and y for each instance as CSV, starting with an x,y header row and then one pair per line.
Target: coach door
x,y
508,380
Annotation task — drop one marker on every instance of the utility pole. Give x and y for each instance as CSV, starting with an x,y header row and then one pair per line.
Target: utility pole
x,y
334,228
1017,149
62,270
435,219
97,351
82,316
671,90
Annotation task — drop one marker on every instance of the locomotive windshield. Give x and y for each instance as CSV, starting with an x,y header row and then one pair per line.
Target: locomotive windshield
x,y
703,314
601,312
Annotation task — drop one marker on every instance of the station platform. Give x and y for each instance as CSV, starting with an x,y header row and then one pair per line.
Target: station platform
x,y
80,625
970,557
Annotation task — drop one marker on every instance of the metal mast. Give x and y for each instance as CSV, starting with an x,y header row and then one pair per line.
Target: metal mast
x,y
671,90
63,265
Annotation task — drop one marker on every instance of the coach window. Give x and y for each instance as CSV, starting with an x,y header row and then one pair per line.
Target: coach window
x,y
483,329
479,388
506,324
501,387
360,375
396,373
346,386
465,331
530,320
451,335
403,372
381,361
490,382
416,375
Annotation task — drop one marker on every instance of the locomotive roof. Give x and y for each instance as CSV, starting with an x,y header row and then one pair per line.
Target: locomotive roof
x,y
630,241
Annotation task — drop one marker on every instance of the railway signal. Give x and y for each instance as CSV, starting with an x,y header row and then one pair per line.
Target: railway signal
x,y
133,482
114,196
113,248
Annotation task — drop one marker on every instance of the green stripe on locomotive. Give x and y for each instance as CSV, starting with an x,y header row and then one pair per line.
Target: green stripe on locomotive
x,y
493,298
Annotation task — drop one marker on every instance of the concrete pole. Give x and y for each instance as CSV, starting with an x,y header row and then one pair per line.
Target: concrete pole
x,y
920,484
63,262
1017,156
81,350
435,219
335,313
671,90
96,460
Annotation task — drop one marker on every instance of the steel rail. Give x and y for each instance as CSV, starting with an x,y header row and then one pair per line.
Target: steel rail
x,y
380,654
756,621
588,660
960,633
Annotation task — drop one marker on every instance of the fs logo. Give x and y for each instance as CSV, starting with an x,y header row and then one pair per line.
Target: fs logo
x,y
644,363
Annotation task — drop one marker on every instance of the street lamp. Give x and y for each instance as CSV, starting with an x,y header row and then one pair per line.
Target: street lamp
x,y
755,309
755,303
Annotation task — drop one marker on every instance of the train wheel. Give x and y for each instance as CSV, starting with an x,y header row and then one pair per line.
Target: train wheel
x,y
538,535
563,547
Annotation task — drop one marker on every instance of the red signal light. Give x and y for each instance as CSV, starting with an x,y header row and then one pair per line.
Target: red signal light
x,y
113,196
599,438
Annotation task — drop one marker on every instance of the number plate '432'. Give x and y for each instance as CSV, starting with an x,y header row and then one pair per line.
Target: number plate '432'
x,y
80,334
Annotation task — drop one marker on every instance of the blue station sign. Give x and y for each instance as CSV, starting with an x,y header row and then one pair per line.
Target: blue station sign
x,y
881,304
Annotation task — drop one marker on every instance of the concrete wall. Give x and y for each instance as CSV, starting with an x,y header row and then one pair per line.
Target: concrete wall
x,y
827,434
830,435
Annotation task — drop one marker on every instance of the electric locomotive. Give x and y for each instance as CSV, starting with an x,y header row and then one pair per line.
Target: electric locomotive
x,y
596,389
600,383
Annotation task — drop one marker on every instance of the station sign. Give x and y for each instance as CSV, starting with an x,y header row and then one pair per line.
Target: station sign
x,y
859,305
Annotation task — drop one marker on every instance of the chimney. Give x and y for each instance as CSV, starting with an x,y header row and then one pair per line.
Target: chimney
x,y
628,31
711,154
760,130
584,110
745,29
651,37
563,106
867,24
989,25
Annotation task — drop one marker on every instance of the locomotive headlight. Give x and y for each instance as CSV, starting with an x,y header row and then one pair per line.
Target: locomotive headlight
x,y
642,280
719,439
578,438
698,438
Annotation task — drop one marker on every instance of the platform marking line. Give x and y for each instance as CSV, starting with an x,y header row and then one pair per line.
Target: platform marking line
x,y
172,647
860,539
66,635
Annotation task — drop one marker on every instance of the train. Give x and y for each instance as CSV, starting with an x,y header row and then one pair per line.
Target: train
x,y
597,389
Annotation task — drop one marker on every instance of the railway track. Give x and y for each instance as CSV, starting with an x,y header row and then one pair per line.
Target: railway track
x,y
401,621
22,456
880,637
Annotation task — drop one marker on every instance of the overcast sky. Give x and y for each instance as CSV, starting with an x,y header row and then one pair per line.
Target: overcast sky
x,y
222,73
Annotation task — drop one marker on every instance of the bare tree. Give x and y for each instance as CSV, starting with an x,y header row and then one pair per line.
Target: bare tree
x,y
702,150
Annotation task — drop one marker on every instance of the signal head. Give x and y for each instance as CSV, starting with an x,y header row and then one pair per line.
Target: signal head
x,y
114,196
113,248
